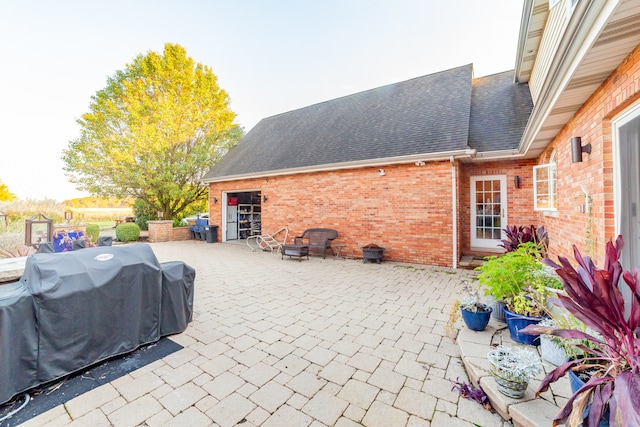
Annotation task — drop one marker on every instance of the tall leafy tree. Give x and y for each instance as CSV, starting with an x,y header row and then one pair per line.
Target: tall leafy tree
x,y
5,194
153,132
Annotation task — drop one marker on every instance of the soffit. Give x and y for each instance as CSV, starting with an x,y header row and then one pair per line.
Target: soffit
x,y
530,38
619,36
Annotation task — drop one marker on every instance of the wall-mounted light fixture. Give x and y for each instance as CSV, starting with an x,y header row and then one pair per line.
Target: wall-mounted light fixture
x,y
215,200
264,199
516,181
381,172
420,163
577,149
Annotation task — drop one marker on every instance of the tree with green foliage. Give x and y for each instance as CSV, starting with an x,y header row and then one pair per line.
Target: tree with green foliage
x,y
5,194
153,132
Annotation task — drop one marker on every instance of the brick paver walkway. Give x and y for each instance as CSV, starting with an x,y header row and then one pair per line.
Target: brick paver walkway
x,y
286,343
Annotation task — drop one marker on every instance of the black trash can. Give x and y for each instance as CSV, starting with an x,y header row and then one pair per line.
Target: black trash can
x,y
212,234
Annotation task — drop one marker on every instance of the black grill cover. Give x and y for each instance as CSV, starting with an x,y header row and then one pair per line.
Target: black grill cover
x,y
18,340
93,304
177,297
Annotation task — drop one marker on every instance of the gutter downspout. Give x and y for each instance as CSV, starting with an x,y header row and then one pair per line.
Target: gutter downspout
x,y
454,213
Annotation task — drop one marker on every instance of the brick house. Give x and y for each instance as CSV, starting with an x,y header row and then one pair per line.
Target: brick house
x,y
581,61
434,167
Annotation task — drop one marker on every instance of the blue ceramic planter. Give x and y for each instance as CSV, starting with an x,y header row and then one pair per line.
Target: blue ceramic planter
x,y
517,322
576,384
477,321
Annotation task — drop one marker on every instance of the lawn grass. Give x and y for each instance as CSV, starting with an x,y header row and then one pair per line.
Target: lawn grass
x,y
104,224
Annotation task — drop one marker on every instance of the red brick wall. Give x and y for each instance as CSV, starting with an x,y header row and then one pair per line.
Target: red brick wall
x,y
407,211
164,231
519,200
593,124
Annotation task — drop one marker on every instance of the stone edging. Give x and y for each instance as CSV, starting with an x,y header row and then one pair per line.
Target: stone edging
x,y
527,411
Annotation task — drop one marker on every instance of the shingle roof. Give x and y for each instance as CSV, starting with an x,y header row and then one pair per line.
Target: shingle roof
x,y
500,109
437,113
428,114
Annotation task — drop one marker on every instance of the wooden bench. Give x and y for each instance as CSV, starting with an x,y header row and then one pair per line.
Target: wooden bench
x,y
122,219
317,238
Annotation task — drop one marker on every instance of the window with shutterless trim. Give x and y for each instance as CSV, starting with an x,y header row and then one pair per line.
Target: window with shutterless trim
x,y
544,185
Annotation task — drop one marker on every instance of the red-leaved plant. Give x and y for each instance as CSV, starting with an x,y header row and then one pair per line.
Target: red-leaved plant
x,y
592,296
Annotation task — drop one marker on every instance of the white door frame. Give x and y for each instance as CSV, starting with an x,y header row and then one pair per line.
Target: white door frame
x,y
621,187
622,119
225,195
482,242
223,220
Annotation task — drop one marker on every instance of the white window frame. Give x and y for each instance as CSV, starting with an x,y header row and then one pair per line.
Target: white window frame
x,y
552,187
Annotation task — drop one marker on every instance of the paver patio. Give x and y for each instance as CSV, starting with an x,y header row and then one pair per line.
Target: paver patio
x,y
285,343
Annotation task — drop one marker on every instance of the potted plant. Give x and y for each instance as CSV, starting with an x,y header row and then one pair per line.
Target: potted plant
x,y
612,352
527,307
474,313
513,368
517,235
505,276
551,349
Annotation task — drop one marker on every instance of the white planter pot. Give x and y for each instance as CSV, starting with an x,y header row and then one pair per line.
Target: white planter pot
x,y
497,313
551,351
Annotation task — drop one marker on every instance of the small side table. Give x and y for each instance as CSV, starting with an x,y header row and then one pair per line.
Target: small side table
x,y
295,250
339,249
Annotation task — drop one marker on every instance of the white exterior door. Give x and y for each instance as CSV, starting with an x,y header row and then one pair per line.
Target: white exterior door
x,y
488,210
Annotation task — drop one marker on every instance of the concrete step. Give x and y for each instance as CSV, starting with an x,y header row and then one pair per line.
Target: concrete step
x,y
526,412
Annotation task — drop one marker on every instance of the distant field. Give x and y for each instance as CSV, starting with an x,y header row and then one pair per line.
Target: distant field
x,y
100,214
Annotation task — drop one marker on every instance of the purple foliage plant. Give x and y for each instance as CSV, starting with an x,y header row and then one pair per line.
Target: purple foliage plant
x,y
612,353
469,391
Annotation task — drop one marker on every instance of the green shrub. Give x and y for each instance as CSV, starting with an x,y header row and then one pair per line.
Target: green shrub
x,y
144,213
93,232
128,232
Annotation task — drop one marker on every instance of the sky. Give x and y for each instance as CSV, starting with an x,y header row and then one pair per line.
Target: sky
x,y
269,56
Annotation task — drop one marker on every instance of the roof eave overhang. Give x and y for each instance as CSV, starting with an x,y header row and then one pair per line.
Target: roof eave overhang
x,y
497,155
585,24
522,37
387,161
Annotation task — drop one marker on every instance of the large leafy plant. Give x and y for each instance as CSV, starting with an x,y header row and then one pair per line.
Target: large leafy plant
x,y
517,235
507,275
593,297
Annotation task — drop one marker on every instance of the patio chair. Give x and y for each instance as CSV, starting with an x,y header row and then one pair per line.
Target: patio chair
x,y
318,239
269,242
